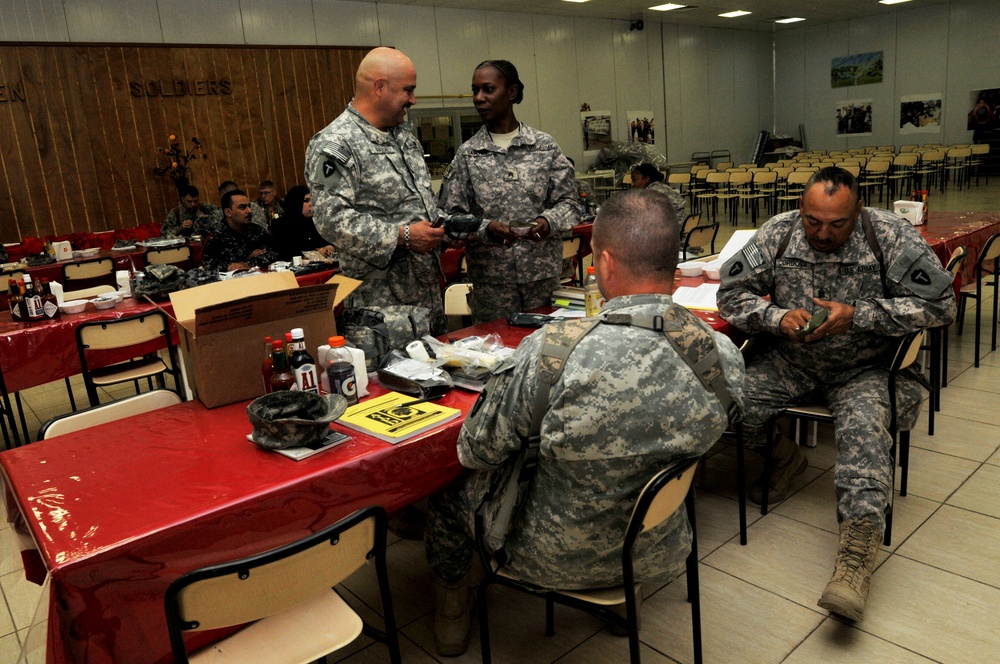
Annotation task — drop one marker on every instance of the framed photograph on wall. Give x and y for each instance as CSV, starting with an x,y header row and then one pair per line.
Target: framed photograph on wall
x,y
859,69
920,114
596,130
854,118
640,127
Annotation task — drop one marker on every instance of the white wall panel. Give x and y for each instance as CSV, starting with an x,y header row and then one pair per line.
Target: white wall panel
x,y
289,22
412,30
722,110
463,43
695,100
921,38
511,37
341,23
789,82
558,84
114,21
215,22
595,66
672,95
972,62
33,20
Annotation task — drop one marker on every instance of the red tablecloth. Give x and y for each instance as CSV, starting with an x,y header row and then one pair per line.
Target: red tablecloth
x,y
946,231
40,353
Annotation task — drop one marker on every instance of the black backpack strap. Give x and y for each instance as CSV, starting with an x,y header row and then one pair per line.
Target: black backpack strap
x,y
872,239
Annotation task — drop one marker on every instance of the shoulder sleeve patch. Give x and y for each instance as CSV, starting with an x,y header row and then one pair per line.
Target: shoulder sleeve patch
x,y
742,264
915,271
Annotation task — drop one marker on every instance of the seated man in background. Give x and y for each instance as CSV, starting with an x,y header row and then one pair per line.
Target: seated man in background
x,y
613,418
879,280
267,199
237,243
191,217
257,215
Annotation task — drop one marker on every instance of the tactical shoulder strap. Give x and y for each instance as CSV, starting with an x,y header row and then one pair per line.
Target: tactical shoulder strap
x,y
694,343
870,238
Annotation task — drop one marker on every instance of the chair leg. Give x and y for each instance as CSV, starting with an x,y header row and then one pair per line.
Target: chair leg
x,y
904,460
69,391
550,617
768,469
944,361
694,590
24,423
741,482
484,623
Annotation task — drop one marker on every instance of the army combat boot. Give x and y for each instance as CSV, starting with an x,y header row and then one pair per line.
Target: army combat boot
x,y
451,616
847,592
789,461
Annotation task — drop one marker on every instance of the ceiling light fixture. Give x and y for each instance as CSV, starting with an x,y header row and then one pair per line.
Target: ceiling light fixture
x,y
576,0
891,2
791,19
735,14
667,7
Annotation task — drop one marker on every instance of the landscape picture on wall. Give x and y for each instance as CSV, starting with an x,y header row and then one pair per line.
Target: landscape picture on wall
x,y
859,69
920,114
596,130
854,118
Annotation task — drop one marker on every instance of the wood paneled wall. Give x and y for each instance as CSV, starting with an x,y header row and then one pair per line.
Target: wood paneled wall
x,y
80,126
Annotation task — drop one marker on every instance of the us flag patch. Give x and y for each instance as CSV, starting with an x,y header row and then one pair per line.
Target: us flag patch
x,y
752,254
339,153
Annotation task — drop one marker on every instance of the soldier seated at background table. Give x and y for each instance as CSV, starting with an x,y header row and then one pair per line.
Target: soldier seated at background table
x,y
879,280
267,199
191,217
237,243
257,214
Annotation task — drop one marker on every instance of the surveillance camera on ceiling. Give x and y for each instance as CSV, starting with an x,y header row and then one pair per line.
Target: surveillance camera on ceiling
x,y
636,25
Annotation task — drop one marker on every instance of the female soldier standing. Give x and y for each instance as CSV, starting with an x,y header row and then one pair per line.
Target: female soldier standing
x,y
519,182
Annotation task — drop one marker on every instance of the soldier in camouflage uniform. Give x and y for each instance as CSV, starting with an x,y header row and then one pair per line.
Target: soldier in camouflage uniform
x,y
237,243
647,176
372,196
625,404
509,174
819,257
190,217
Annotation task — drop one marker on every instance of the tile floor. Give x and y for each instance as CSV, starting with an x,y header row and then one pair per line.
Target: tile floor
x,y
934,595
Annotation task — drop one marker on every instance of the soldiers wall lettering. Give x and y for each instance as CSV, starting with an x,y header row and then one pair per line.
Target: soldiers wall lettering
x,y
180,88
12,92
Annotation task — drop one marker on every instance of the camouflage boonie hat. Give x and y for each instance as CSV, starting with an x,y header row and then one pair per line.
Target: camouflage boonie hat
x,y
292,418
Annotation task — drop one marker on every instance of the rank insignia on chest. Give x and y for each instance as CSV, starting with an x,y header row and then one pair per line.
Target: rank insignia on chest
x,y
510,176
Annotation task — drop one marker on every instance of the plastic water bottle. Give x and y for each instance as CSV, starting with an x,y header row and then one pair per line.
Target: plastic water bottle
x,y
339,364
593,301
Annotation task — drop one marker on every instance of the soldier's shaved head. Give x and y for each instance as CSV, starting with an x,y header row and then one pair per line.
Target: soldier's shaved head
x,y
639,226
384,87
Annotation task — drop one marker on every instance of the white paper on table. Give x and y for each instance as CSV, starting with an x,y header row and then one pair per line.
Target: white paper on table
x,y
569,313
698,297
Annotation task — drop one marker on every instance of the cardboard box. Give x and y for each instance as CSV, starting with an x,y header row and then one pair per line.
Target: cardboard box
x,y
222,328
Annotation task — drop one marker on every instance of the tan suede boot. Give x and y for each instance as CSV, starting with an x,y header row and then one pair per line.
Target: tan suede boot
x,y
789,462
847,592
451,616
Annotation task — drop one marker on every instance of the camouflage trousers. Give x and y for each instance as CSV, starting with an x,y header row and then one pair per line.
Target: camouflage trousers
x,y
379,293
449,538
491,301
860,404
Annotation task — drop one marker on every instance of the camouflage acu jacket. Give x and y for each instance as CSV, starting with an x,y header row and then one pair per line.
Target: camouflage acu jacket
x,y
529,179
625,405
919,289
365,184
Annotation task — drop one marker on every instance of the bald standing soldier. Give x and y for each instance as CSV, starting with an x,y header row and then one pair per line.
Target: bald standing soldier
x,y
372,196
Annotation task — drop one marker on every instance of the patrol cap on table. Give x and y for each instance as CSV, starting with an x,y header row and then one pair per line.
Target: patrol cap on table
x,y
292,418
